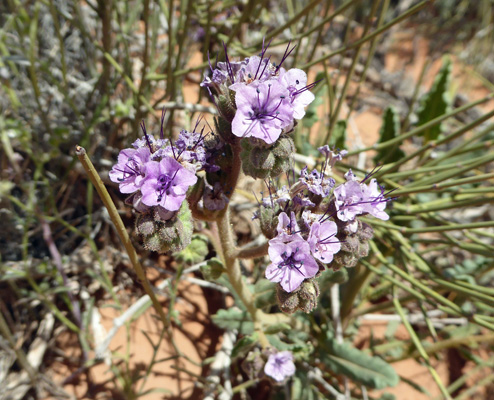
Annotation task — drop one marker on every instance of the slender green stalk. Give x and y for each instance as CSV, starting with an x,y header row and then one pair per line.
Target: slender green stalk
x,y
440,186
406,121
421,128
456,227
469,293
120,227
448,305
377,32
291,21
349,74
420,348
352,289
370,56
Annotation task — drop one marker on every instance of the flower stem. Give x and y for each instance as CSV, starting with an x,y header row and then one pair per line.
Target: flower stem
x,y
235,274
120,227
229,252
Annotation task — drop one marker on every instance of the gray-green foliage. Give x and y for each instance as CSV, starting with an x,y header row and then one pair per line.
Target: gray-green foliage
x,y
344,358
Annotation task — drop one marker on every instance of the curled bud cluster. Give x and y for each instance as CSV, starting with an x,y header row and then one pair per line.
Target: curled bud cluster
x,y
313,225
259,102
158,174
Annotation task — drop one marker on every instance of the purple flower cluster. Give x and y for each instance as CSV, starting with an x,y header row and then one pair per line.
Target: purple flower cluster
x,y
158,173
309,215
268,98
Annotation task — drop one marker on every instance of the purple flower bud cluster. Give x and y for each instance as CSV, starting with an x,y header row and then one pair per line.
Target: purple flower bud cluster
x,y
314,218
158,173
268,98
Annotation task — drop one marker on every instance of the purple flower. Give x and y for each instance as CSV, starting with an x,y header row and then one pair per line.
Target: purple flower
x,y
166,183
252,73
291,262
223,72
280,197
350,176
295,80
189,148
375,202
287,226
322,241
299,199
280,366
309,218
129,170
262,112
349,199
316,182
332,157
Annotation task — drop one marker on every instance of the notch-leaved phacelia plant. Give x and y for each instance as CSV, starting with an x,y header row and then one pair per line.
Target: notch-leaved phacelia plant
x,y
311,223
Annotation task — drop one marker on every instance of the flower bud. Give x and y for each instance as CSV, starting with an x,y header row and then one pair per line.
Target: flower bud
x,y
224,128
173,234
253,365
308,294
261,160
268,222
226,106
145,224
288,302
303,299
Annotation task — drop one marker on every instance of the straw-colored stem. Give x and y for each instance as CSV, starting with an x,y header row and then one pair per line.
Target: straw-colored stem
x,y
120,227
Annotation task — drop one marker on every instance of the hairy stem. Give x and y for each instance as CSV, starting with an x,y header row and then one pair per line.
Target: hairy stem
x,y
228,249
235,274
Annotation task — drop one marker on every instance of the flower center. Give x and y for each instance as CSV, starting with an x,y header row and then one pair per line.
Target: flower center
x,y
164,185
261,112
130,170
290,262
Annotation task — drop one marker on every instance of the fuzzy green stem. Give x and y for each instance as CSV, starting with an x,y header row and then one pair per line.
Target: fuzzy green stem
x,y
254,252
120,227
235,274
228,250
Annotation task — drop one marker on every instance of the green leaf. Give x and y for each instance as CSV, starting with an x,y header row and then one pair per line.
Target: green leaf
x,y
195,252
243,346
277,328
338,137
213,269
234,318
362,368
265,293
436,102
329,277
389,130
